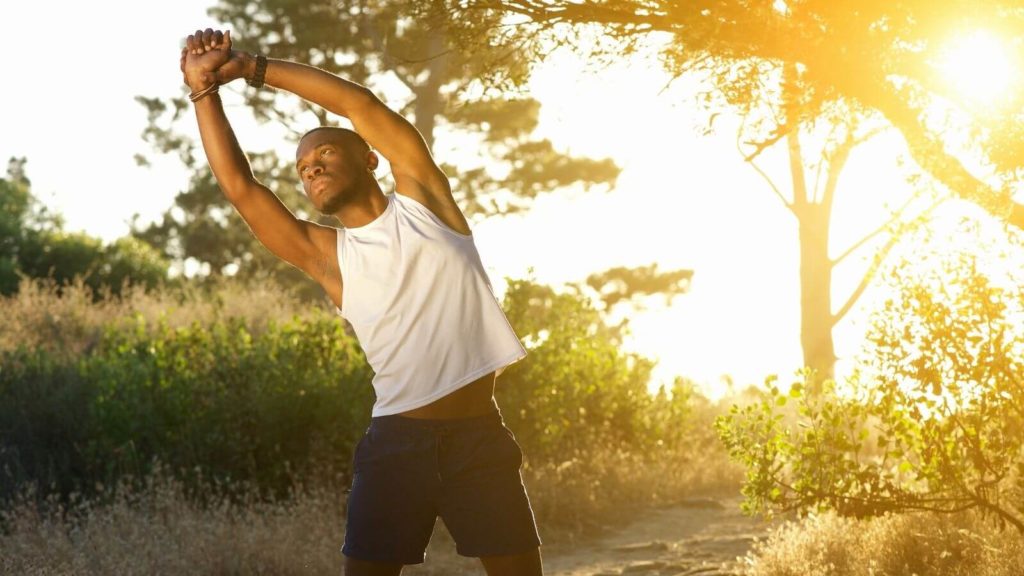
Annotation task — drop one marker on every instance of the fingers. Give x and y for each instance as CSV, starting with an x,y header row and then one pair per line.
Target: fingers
x,y
205,40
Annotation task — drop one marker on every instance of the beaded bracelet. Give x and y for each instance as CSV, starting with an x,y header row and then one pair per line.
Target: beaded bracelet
x,y
261,69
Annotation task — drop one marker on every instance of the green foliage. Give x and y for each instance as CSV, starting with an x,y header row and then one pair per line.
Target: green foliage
x,y
247,408
239,400
215,400
33,243
576,389
932,419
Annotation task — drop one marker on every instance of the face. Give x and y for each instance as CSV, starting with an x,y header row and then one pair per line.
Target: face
x,y
330,172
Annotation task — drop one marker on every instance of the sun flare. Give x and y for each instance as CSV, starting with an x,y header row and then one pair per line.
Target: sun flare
x,y
979,67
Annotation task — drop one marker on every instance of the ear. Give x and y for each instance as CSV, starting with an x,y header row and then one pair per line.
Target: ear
x,y
372,160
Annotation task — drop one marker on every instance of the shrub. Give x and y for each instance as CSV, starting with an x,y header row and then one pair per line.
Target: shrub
x,y
932,420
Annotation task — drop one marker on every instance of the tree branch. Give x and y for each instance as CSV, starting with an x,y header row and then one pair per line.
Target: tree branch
x,y
929,152
771,183
877,263
897,216
778,134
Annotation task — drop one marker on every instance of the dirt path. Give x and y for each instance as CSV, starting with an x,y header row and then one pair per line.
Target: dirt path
x,y
699,537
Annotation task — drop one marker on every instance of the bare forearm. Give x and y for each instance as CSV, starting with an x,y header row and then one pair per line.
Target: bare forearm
x,y
320,87
229,164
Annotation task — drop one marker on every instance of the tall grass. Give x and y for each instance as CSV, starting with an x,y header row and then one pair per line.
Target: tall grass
x,y
925,544
69,321
156,527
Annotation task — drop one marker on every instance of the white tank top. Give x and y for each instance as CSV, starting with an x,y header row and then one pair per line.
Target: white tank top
x,y
421,305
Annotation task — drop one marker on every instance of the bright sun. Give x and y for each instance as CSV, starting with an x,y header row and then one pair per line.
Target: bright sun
x,y
979,67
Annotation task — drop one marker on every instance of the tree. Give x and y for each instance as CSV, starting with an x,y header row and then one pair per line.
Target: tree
x,y
838,73
15,205
876,54
378,44
33,243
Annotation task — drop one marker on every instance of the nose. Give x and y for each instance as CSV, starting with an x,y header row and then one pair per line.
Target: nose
x,y
315,170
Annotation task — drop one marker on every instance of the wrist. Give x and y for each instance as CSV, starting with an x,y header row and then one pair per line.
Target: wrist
x,y
210,90
198,82
248,66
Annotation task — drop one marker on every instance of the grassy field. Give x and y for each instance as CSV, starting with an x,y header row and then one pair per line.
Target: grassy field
x,y
651,452
136,372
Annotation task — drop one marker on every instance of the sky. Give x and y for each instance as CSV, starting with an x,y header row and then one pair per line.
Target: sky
x,y
682,200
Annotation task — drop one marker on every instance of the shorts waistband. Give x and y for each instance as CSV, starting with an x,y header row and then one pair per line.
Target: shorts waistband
x,y
399,421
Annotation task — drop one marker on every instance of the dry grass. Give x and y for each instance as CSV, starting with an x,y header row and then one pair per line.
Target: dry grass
x,y
156,529
582,498
918,543
69,323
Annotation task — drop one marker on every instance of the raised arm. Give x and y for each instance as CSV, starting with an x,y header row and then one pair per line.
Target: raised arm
x,y
415,172
306,245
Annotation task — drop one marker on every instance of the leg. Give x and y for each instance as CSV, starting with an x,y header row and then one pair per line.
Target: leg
x,y
391,512
355,567
525,564
484,502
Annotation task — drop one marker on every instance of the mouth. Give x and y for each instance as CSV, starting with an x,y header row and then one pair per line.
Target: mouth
x,y
318,182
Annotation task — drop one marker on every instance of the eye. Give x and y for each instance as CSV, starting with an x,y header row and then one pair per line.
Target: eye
x,y
325,151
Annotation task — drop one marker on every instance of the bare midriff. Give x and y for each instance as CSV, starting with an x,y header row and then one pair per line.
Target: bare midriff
x,y
473,399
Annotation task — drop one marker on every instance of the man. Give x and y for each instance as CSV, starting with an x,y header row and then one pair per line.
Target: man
x,y
405,272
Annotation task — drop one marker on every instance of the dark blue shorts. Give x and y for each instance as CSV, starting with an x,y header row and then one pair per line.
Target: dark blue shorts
x,y
409,471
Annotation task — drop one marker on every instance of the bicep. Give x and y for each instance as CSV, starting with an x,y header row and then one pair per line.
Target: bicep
x,y
400,142
415,172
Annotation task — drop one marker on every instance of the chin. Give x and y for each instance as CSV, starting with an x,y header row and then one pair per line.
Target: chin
x,y
331,204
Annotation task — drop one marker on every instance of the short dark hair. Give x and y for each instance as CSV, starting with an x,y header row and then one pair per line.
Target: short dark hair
x,y
350,139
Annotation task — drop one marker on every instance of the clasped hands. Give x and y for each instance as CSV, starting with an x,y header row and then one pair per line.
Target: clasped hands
x,y
207,59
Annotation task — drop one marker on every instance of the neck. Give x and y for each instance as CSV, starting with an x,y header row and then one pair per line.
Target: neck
x,y
364,209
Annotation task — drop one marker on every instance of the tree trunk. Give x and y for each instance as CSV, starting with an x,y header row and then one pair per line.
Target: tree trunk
x,y
429,103
816,292
813,218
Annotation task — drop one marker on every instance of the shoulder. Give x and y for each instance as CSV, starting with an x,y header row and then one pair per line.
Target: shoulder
x,y
437,199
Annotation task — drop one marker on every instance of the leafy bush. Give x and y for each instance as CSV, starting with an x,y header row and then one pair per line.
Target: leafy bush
x,y
931,420
95,391
217,400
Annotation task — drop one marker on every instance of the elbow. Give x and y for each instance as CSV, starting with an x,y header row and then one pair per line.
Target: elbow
x,y
362,100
